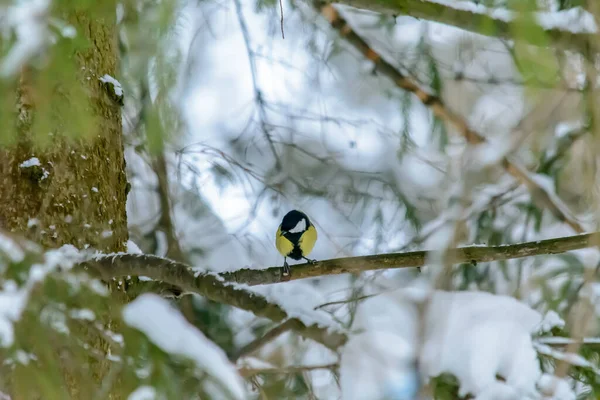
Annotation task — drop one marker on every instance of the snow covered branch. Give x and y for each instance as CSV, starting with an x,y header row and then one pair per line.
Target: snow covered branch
x,y
212,287
541,195
477,18
218,287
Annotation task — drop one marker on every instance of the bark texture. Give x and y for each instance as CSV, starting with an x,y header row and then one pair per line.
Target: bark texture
x,y
77,193
62,176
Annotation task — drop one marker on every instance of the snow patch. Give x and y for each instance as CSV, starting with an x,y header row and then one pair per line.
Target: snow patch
x,y
32,162
474,336
133,248
574,20
115,83
169,330
143,393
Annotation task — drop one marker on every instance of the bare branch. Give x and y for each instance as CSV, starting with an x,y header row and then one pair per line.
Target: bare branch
x,y
261,341
469,254
248,372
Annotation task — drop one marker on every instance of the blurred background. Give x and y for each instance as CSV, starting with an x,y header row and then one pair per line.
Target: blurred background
x,y
256,125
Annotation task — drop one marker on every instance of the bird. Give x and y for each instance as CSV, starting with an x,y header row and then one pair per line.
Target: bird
x,y
295,238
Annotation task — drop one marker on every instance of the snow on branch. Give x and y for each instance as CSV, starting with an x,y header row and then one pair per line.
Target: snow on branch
x,y
542,196
477,337
215,288
571,29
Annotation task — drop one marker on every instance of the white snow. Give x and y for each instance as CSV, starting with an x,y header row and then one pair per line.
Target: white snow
x,y
474,336
299,300
83,314
574,20
143,393
169,330
10,249
116,84
573,359
32,162
13,298
551,320
555,388
133,248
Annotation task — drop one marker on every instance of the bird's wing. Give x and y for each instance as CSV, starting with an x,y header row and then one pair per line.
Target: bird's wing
x,y
284,246
307,240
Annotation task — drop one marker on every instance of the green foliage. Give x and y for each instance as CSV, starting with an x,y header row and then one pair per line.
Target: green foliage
x,y
445,387
70,338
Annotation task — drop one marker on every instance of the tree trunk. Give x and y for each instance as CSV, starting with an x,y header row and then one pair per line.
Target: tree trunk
x,y
77,193
70,121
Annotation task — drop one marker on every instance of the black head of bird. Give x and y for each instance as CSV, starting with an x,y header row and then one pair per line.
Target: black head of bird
x,y
295,238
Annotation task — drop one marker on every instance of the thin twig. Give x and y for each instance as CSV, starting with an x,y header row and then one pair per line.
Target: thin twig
x,y
281,21
261,341
248,372
257,93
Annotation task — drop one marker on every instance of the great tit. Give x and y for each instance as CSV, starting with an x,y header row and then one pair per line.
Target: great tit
x,y
295,238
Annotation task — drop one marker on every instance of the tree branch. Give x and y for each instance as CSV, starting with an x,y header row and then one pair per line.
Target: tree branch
x,y
263,340
216,287
248,372
208,285
469,254
470,20
539,195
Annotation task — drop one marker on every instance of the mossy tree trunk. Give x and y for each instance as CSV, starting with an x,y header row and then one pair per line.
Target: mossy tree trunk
x,y
72,125
70,121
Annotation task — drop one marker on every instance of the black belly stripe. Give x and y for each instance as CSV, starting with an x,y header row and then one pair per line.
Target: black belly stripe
x,y
294,237
296,253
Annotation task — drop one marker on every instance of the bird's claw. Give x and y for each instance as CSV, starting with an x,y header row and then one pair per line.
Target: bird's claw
x,y
308,260
286,269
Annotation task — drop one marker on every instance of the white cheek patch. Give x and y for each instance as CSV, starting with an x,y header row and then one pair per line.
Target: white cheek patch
x,y
300,226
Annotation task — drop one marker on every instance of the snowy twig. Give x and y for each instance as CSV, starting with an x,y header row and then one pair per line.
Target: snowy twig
x,y
478,19
540,195
468,254
563,341
211,286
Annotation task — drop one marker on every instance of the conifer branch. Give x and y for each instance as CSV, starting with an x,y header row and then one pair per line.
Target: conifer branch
x,y
208,285
539,195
